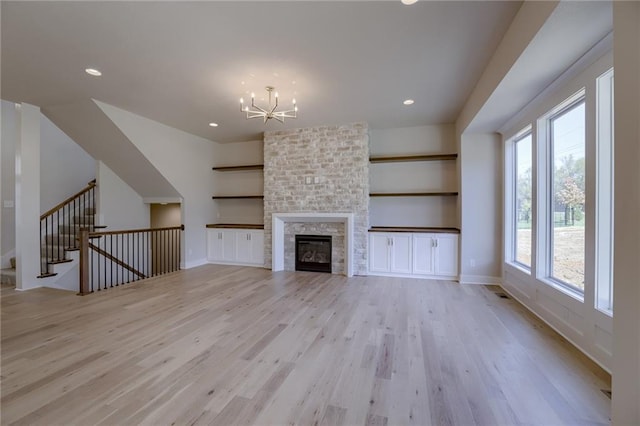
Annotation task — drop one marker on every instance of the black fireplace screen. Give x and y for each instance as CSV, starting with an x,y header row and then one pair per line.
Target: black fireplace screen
x,y
313,253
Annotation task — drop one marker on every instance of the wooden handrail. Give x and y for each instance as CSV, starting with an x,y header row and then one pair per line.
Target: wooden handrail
x,y
68,200
144,252
133,231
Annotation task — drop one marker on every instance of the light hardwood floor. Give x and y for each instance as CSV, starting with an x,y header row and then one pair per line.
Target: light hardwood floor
x,y
230,345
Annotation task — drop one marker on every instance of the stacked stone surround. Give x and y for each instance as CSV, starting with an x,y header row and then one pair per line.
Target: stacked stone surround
x,y
336,161
336,230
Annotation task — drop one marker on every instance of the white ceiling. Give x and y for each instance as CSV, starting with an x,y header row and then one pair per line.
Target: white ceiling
x,y
182,63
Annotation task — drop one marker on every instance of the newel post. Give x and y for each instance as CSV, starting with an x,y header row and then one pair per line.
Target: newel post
x,y
84,262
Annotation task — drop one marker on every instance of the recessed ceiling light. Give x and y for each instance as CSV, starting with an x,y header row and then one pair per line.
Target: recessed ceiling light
x,y
408,102
213,124
92,71
409,2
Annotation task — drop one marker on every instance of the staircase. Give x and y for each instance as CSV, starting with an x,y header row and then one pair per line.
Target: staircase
x,y
56,246
59,231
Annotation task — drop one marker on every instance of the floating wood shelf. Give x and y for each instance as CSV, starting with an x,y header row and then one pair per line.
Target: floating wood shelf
x,y
229,197
428,229
406,158
235,226
412,194
239,168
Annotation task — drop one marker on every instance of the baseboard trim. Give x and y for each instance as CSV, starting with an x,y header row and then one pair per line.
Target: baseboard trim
x,y
216,262
480,279
30,288
195,263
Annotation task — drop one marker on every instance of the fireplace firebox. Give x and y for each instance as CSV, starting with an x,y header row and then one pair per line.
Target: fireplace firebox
x,y
313,253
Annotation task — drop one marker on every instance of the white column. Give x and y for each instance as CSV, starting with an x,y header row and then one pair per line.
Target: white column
x,y
28,198
625,405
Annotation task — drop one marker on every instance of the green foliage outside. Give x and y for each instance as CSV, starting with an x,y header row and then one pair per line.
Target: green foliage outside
x,y
568,194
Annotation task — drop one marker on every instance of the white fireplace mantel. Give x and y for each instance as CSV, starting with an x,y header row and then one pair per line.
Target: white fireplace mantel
x,y
277,235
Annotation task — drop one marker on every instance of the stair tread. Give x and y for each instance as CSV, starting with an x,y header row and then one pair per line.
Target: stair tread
x,y
55,262
47,274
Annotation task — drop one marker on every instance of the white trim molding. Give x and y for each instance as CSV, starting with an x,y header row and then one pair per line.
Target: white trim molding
x,y
193,263
480,279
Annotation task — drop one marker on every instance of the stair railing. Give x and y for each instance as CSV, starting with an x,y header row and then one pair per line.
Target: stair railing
x,y
113,258
60,226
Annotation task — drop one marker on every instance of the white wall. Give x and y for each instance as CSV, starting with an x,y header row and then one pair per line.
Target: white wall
x,y
248,182
481,208
626,319
119,206
185,161
65,168
413,177
10,130
27,201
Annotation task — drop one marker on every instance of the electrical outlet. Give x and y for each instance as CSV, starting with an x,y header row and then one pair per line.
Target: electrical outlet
x,y
307,180
316,179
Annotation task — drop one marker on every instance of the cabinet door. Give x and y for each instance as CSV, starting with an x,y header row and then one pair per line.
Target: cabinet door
x,y
446,259
379,256
401,253
243,246
228,245
215,245
423,254
257,247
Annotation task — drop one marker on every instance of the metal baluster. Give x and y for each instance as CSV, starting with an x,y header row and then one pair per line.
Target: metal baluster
x,y
112,251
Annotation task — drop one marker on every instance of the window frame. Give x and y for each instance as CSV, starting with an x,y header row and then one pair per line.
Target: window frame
x,y
544,197
522,134
604,194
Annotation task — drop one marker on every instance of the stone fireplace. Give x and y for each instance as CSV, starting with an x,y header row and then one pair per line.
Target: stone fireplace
x,y
316,182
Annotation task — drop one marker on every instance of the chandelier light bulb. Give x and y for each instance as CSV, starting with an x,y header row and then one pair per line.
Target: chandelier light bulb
x,y
269,111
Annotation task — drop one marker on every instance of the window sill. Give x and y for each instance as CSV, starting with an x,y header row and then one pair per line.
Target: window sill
x,y
607,312
520,267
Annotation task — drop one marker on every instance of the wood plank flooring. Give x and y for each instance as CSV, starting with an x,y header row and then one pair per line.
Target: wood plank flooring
x,y
228,345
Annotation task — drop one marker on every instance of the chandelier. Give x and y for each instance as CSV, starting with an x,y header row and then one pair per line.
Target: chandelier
x,y
269,112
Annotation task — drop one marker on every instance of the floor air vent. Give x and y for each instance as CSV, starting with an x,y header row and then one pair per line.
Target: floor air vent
x,y
497,290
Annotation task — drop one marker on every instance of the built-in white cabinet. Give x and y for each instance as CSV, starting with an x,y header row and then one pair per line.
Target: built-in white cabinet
x,y
435,254
235,246
424,255
390,252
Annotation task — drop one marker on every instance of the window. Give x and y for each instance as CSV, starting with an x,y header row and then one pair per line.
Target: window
x,y
559,177
567,203
604,193
523,214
